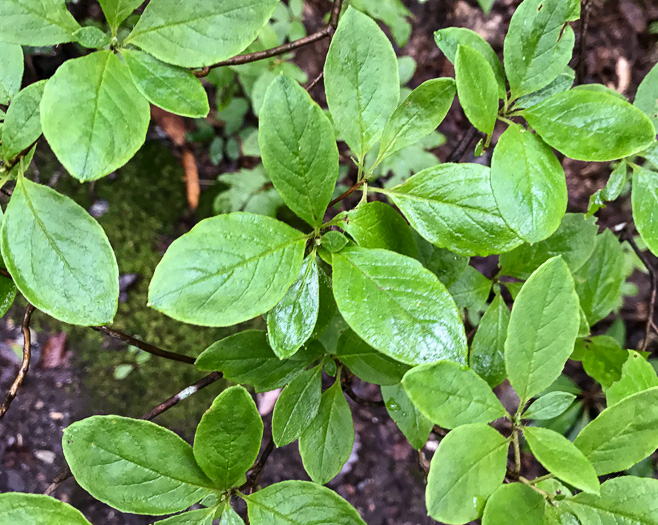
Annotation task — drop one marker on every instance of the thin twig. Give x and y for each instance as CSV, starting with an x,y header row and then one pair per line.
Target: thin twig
x,y
5,273
581,60
346,385
457,153
423,464
315,81
25,364
257,470
347,193
517,451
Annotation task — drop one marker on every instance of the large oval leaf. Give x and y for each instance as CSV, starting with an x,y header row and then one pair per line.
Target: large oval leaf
x,y
477,89
645,206
16,508
227,269
36,23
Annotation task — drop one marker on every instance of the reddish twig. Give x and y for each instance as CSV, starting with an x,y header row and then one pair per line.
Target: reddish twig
x,y
347,193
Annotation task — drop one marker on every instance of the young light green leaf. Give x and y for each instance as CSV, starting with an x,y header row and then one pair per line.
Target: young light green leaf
x,y
172,88
471,290
246,358
514,503
538,45
81,106
453,207
36,23
645,205
227,440
610,191
487,355
298,148
227,269
562,82
193,517
75,283
476,87
586,125
637,375
549,406
466,469
133,465
116,11
22,125
230,517
300,502
414,425
603,359
200,33
451,395
297,406
561,457
333,241
397,306
417,116
16,507
11,71
291,322
542,329
92,37
646,98
528,184
367,363
361,81
327,443
622,434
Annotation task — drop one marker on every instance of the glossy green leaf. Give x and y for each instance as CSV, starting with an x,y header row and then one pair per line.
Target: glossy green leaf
x,y
549,405
453,207
562,82
227,440
297,406
487,355
300,502
471,290
334,241
397,306
172,88
298,148
326,444
610,191
36,22
75,282
477,88
637,375
327,305
451,395
11,71
16,507
622,434
646,98
22,125
361,81
586,125
230,517
528,184
7,294
466,469
514,503
116,11
193,517
417,116
446,265
195,34
246,358
82,106
133,465
227,269
92,37
538,45
367,363
542,329
291,322
645,205
603,359
414,425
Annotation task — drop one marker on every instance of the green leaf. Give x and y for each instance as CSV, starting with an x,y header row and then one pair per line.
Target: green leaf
x,y
82,106
562,82
291,322
453,207
378,225
603,359
646,98
361,81
333,241
11,70
298,148
227,440
610,191
538,45
246,358
75,282
622,434
36,22
446,265
549,405
586,125
514,503
414,425
487,355
466,469
300,502
133,465
92,37
528,184
297,406
561,457
471,290
200,33
476,87
542,329
417,115
451,395
366,363
193,517
326,444
645,204
637,375
449,40
22,125
230,517
116,11
16,507
172,88
600,278
227,269
397,306
7,294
